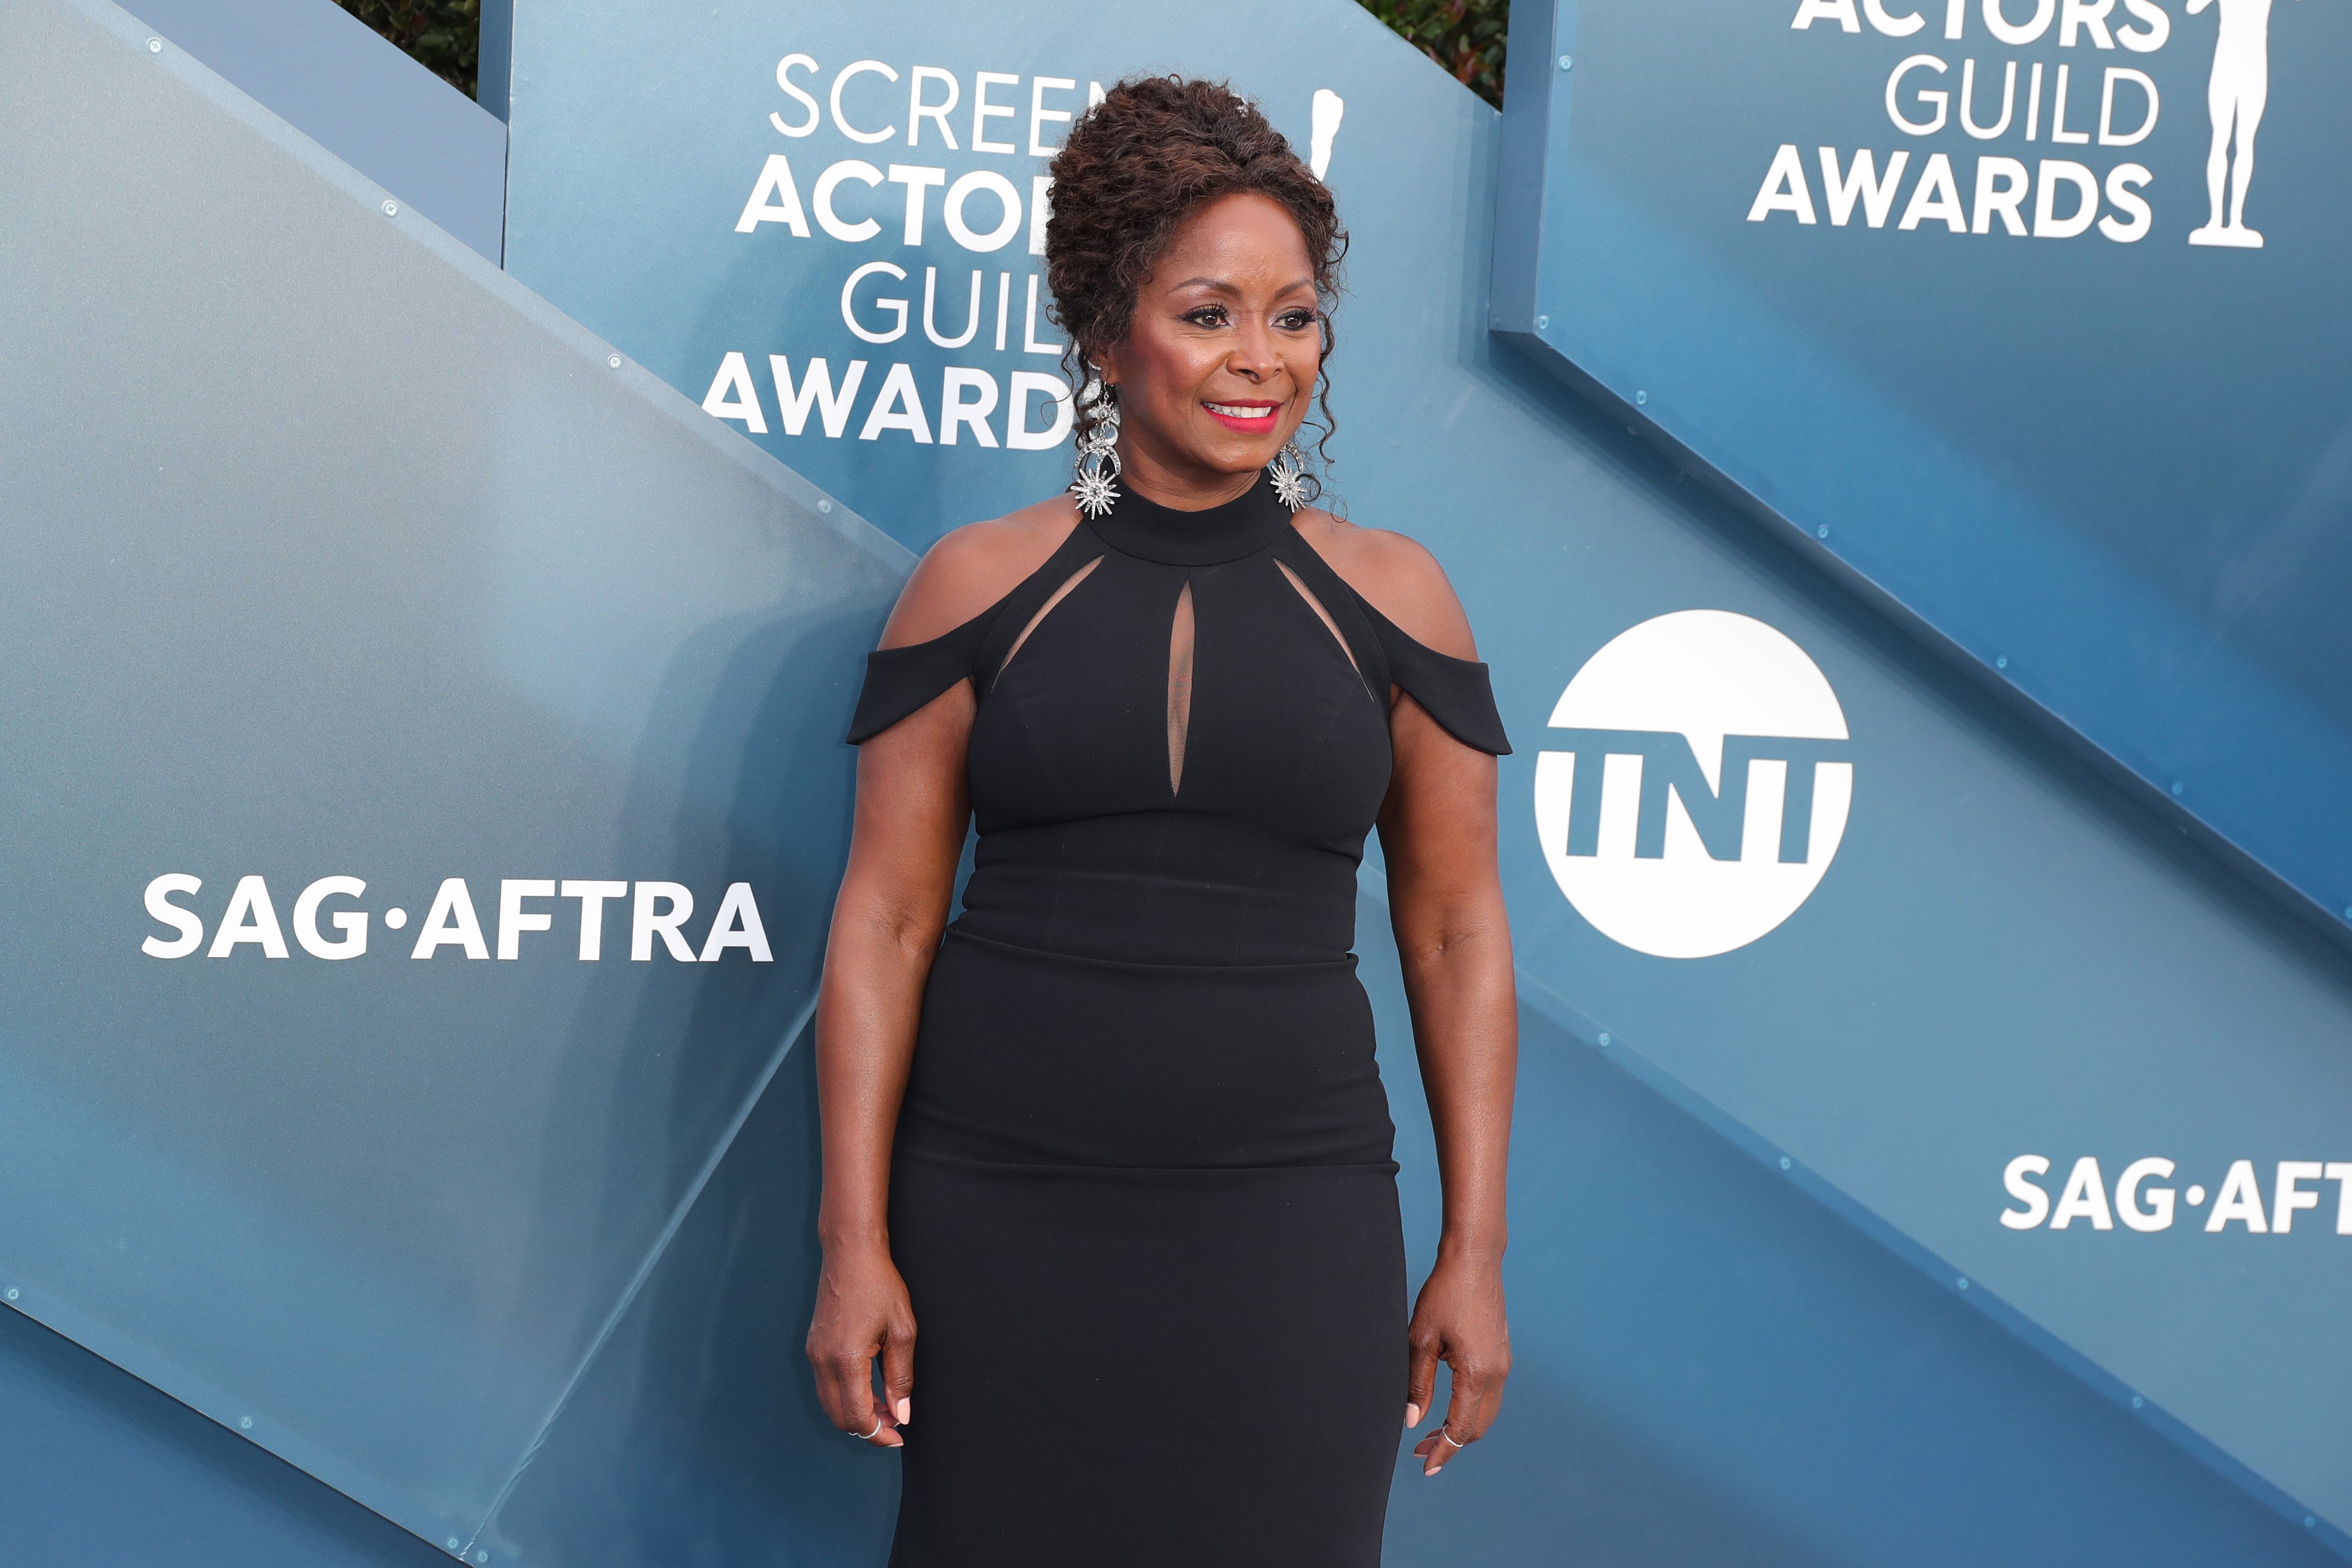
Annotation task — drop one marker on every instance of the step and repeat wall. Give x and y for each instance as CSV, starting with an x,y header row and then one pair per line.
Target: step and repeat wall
x,y
421,744
1991,305
423,778
2074,1075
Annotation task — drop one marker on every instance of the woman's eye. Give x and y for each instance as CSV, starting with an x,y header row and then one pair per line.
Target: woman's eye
x,y
1207,316
1295,320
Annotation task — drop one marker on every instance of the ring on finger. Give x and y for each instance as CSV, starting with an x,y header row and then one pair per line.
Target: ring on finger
x,y
1451,1437
869,1436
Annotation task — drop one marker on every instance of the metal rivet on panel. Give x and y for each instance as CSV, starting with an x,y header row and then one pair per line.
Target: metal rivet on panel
x,y
2176,786
614,361
154,46
1822,532
12,1292
2309,1521
455,1544
1784,1162
1641,396
391,209
824,506
1604,1036
2001,663
1543,323
245,1423
1964,1281
481,1557
1566,61
2137,1402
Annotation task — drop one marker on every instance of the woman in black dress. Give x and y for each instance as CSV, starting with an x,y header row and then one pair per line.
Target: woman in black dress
x,y
1115,1139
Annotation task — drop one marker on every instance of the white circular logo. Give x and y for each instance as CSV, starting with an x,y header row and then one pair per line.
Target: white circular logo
x,y
1697,784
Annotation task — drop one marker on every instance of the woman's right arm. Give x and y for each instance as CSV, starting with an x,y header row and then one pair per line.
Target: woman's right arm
x,y
904,845
886,924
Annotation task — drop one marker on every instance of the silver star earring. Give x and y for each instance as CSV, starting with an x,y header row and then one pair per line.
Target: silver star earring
x,y
1095,484
1293,486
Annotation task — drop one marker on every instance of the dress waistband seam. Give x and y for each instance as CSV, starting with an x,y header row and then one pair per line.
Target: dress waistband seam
x,y
956,932
915,1150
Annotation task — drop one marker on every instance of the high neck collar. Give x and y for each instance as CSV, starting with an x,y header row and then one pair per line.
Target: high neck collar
x,y
1241,526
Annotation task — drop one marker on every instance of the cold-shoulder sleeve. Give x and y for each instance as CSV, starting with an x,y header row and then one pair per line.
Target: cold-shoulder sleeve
x,y
901,680
1455,692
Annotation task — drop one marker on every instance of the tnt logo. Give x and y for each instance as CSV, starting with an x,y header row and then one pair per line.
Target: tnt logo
x,y
1698,787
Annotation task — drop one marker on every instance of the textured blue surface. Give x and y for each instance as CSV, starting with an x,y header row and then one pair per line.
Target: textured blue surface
x,y
412,581
2005,957
1711,1370
487,1244
2114,474
99,1471
333,78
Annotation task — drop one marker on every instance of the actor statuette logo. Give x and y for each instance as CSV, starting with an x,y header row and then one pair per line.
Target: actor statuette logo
x,y
1697,785
2005,118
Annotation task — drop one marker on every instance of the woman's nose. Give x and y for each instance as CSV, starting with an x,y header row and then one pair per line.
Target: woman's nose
x,y
1252,354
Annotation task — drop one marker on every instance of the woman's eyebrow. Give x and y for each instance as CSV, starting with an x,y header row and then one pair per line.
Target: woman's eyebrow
x,y
1219,286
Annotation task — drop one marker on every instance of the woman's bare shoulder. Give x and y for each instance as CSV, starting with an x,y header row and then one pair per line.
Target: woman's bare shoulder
x,y
1396,576
974,567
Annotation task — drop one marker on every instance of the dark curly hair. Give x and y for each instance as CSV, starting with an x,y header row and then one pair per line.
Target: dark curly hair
x,y
1152,153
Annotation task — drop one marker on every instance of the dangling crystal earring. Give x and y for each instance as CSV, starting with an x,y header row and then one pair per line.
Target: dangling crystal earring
x,y
1293,486
1098,466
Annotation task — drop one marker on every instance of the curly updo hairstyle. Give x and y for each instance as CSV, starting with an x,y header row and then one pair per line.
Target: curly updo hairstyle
x,y
1136,166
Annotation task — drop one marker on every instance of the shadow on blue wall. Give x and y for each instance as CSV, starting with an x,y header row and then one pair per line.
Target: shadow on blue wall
x,y
99,1471
1731,1374
1727,1372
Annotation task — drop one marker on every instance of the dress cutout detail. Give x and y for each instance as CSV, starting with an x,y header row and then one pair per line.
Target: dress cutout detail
x,y
1069,583
1457,691
1144,1156
1180,631
1321,614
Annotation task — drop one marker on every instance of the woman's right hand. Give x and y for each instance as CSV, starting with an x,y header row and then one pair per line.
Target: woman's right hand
x,y
863,1312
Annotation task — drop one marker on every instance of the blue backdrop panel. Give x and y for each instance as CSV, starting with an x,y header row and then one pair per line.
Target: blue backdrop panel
x,y
1983,350
335,79
521,1249
1960,953
1711,1370
99,1471
335,554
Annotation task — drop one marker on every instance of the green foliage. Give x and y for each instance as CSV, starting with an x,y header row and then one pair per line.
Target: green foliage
x,y
444,36
1466,37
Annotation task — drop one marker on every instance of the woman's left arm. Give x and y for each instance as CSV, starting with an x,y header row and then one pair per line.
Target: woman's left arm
x,y
1445,901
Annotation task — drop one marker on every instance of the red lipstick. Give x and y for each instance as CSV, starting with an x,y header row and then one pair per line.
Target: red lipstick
x,y
1248,416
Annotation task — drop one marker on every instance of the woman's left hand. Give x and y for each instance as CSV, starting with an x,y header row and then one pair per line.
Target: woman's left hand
x,y
1460,1320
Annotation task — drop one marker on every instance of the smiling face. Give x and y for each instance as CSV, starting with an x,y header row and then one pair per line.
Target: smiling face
x,y
1220,362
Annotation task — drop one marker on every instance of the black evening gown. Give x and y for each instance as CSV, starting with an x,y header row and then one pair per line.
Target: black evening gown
x,y
1143,1192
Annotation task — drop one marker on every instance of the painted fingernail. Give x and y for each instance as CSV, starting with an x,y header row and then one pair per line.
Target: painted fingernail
x,y
1412,1414
905,1412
